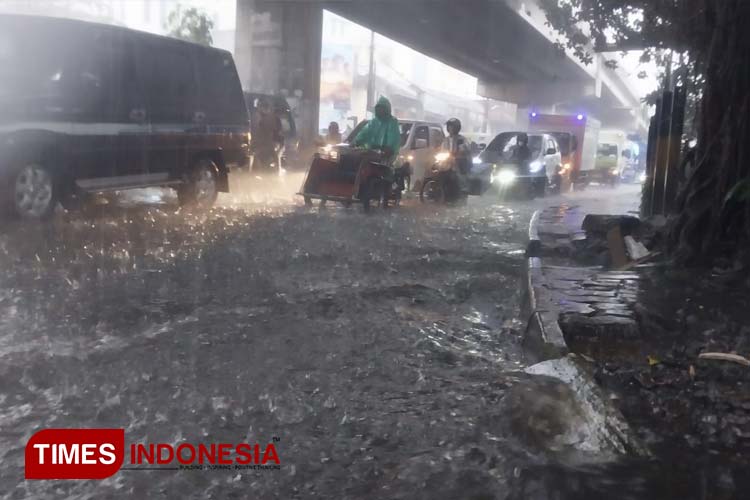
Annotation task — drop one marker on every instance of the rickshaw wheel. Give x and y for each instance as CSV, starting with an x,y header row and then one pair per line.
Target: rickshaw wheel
x,y
373,194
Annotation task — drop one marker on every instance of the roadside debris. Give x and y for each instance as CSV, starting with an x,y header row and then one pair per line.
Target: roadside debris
x,y
616,246
725,356
636,249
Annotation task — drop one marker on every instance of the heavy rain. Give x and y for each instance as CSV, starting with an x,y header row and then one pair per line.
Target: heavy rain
x,y
371,238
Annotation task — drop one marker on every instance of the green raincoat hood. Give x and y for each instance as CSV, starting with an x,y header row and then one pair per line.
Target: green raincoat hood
x,y
381,132
384,102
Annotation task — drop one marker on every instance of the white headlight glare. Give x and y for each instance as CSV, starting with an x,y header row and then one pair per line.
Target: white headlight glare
x,y
535,166
442,156
505,177
476,160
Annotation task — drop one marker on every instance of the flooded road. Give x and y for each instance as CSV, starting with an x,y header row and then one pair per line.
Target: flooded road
x,y
379,350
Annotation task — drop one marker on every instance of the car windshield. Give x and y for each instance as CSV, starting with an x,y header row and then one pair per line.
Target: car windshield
x,y
563,141
353,134
405,129
604,150
505,146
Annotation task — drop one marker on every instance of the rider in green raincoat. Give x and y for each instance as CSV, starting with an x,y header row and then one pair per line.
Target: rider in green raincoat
x,y
382,132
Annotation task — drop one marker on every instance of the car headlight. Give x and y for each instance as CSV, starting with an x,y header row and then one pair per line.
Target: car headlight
x,y
535,166
476,160
642,177
505,177
614,171
442,156
329,151
565,167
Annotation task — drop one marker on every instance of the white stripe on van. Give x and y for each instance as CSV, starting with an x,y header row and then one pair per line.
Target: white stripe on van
x,y
100,183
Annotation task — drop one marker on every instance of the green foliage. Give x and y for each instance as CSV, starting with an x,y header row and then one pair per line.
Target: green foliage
x,y
191,24
673,34
588,26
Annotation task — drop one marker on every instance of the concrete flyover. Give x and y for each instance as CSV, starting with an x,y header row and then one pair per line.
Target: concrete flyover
x,y
504,43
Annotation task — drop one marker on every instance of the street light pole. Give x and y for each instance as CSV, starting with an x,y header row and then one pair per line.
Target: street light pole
x,y
371,74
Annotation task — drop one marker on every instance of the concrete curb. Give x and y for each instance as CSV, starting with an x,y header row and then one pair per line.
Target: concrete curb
x,y
544,344
534,247
543,338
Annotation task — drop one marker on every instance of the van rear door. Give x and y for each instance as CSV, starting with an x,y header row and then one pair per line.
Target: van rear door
x,y
170,86
221,113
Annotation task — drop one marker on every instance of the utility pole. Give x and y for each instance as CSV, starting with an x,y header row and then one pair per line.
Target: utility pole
x,y
371,74
486,116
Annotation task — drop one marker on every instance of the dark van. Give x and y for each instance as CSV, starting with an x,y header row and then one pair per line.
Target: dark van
x,y
87,108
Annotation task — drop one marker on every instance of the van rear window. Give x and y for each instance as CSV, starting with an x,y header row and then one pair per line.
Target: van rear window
x,y
220,91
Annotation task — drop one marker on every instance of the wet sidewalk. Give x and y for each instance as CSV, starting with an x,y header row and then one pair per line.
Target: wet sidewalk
x,y
645,330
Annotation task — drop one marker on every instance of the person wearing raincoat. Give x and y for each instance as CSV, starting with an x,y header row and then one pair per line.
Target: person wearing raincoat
x,y
382,132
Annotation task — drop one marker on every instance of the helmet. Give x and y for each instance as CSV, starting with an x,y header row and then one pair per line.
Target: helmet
x,y
453,122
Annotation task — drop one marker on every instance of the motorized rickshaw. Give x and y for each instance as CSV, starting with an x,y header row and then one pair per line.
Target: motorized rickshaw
x,y
348,174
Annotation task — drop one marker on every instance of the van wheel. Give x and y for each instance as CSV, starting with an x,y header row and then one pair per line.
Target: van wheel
x,y
34,192
200,189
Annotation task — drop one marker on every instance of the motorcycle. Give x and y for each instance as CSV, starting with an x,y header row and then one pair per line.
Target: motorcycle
x,y
442,184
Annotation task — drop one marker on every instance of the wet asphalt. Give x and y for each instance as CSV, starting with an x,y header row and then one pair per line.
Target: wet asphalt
x,y
377,349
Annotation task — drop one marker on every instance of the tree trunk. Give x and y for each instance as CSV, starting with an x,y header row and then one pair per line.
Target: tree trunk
x,y
707,226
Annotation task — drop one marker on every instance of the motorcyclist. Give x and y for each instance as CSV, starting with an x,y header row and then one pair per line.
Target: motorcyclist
x,y
522,153
267,136
382,133
457,145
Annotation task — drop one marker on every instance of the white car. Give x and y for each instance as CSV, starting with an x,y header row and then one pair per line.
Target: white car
x,y
542,172
420,141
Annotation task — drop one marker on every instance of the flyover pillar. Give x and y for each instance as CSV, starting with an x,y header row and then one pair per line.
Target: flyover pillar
x,y
277,50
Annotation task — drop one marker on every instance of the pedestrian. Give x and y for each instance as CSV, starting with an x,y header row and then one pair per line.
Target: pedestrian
x,y
267,137
522,153
457,145
333,136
